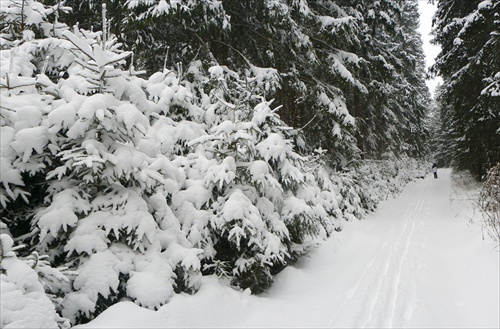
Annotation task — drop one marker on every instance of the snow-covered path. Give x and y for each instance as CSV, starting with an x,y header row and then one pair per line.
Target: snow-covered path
x,y
414,263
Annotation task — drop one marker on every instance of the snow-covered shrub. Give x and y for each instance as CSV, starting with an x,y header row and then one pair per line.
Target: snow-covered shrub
x,y
99,217
350,201
489,202
24,20
253,176
248,233
23,301
90,150
364,187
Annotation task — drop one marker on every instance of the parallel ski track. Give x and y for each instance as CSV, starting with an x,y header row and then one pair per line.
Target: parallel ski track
x,y
385,293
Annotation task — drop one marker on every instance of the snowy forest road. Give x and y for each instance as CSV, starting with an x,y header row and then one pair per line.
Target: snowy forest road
x,y
419,271
415,262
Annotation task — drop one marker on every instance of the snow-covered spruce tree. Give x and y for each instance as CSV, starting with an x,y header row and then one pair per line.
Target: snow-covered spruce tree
x,y
350,202
304,42
104,181
27,94
98,221
31,53
390,116
22,137
23,20
27,149
322,193
29,26
469,35
185,202
24,303
255,179
414,93
337,60
317,93
444,129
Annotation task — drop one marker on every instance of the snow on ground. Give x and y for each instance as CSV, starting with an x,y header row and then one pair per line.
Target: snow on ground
x,y
416,262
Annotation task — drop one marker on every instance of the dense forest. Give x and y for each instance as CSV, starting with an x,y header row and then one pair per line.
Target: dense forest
x,y
468,101
147,143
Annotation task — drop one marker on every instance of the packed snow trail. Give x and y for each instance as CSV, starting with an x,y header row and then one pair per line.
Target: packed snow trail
x,y
415,262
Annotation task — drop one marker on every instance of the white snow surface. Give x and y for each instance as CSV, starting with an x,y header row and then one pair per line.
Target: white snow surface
x,y
416,262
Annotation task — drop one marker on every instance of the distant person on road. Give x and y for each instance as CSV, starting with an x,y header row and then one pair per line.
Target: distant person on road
x,y
435,170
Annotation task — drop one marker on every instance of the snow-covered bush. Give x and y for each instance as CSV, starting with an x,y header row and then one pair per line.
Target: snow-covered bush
x,y
350,202
364,187
252,174
23,301
489,202
24,20
99,216
87,158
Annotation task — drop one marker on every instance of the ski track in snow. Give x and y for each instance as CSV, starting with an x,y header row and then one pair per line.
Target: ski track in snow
x,y
415,262
390,300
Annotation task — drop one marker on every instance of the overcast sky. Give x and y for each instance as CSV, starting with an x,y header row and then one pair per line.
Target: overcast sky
x,y
431,51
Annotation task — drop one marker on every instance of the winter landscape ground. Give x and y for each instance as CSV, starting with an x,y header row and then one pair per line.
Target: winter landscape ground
x,y
418,261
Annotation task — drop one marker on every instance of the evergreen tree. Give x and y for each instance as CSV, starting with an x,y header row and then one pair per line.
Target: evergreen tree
x,y
24,299
81,154
261,220
414,93
439,126
27,96
301,41
469,62
390,116
337,60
